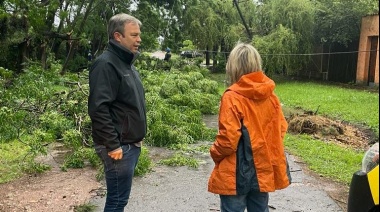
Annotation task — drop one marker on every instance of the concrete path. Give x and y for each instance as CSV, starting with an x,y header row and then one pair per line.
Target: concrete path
x,y
173,189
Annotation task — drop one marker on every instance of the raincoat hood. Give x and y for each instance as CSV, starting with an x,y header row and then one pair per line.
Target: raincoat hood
x,y
255,85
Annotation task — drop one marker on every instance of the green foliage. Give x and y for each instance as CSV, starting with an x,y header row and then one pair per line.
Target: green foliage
x,y
79,157
179,159
72,138
196,100
30,32
18,156
191,73
276,50
340,21
144,164
221,66
85,208
39,105
203,149
163,135
55,123
38,115
284,36
38,142
5,74
169,124
24,100
169,89
100,173
35,168
153,23
176,101
78,63
206,86
12,157
12,39
220,78
203,24
3,25
15,120
187,45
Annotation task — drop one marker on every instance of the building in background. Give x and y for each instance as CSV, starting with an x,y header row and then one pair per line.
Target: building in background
x,y
367,72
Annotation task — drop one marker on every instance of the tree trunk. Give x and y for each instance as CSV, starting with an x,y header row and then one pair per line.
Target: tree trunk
x,y
207,57
43,55
49,21
249,33
57,42
23,54
74,44
223,49
215,57
328,65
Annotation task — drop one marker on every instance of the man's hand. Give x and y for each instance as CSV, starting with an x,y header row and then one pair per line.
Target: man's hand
x,y
116,154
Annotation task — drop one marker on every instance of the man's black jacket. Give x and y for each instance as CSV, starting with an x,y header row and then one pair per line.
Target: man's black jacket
x,y
116,103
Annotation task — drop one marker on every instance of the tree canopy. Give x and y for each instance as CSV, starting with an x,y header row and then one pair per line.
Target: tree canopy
x,y
68,31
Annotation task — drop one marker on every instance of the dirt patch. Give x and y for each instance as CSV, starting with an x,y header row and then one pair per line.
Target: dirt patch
x,y
325,129
54,190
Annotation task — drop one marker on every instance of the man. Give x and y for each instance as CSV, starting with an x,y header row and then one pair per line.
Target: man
x,y
116,106
168,55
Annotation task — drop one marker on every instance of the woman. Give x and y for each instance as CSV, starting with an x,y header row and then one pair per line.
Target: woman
x,y
248,152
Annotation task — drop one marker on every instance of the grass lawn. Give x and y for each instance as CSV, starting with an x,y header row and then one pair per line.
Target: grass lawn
x,y
354,106
10,162
326,159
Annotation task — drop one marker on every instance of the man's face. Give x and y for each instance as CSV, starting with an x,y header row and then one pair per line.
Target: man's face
x,y
130,38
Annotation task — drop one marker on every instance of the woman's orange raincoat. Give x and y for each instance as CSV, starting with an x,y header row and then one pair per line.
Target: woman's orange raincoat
x,y
250,111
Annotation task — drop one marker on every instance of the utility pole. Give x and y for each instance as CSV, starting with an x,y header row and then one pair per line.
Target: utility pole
x,y
236,3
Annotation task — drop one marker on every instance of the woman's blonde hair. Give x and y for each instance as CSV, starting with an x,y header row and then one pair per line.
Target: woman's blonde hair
x,y
243,59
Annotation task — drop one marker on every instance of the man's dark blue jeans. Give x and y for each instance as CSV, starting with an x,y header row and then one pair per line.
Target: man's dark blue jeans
x,y
254,201
119,175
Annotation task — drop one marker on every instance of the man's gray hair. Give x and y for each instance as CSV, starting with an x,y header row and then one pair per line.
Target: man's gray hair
x,y
117,23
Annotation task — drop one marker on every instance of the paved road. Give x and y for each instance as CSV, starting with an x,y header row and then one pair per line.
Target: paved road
x,y
158,54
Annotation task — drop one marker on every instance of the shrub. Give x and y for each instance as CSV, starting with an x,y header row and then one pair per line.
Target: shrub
x,y
35,168
72,138
144,164
79,157
180,160
55,123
